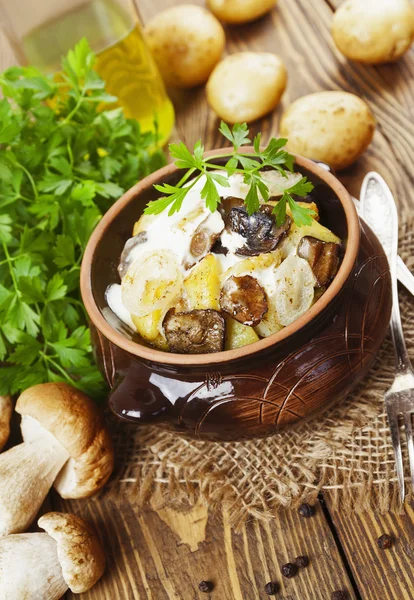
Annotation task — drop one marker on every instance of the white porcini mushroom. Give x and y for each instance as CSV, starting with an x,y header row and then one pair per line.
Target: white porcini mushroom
x,y
65,444
42,566
6,409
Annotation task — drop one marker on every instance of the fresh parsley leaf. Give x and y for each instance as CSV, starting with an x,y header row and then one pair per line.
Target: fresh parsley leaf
x,y
249,164
256,142
184,158
62,164
280,211
302,188
238,136
252,199
210,194
220,179
64,251
300,214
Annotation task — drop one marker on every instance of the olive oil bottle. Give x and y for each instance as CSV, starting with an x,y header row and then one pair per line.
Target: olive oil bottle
x,y
123,59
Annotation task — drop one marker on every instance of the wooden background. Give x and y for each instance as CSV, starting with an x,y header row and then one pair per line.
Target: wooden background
x,y
162,555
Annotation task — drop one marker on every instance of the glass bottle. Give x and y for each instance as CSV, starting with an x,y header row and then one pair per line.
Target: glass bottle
x,y
41,31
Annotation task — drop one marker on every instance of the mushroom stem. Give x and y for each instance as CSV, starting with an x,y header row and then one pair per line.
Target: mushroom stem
x,y
27,473
30,568
6,409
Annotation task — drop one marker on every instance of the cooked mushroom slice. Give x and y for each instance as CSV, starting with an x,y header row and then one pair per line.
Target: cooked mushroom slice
x,y
194,332
43,566
202,241
218,248
66,444
6,409
127,256
226,204
259,230
244,299
323,257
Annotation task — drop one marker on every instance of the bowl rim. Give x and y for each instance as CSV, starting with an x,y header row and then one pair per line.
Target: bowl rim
x,y
170,358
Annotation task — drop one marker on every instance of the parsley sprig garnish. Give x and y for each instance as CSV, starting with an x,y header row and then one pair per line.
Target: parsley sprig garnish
x,y
63,162
248,164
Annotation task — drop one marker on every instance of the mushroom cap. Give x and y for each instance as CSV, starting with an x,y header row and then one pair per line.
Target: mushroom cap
x,y
77,424
6,409
79,551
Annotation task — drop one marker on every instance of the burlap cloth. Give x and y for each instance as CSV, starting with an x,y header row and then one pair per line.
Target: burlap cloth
x,y
346,452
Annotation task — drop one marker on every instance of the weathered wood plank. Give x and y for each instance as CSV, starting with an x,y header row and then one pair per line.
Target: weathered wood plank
x,y
164,555
300,33
386,574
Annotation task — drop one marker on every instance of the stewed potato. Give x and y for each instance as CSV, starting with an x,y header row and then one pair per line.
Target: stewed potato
x,y
240,11
374,31
334,127
202,286
247,85
186,42
238,335
254,277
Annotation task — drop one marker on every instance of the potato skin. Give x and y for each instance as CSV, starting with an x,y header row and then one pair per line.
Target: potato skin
x,y
186,42
374,31
240,11
334,127
246,86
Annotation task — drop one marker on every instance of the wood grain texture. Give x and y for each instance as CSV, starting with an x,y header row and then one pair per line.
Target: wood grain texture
x,y
379,574
163,556
299,32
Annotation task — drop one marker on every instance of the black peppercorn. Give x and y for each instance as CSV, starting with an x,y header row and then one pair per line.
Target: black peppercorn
x,y
339,595
205,586
385,541
306,511
289,570
301,561
271,588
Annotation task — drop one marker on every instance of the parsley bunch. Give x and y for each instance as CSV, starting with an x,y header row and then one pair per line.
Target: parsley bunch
x,y
63,161
273,156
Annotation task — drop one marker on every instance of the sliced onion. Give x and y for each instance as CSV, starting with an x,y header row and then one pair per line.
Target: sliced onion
x,y
294,283
153,282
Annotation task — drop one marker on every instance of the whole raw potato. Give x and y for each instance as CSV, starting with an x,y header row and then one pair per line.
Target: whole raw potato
x,y
247,85
240,11
334,127
186,42
374,31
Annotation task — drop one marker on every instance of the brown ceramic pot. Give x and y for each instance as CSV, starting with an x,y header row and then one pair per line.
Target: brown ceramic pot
x,y
261,388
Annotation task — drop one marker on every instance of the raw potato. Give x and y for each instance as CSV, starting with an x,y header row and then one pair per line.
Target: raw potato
x,y
334,127
246,86
240,11
374,31
186,42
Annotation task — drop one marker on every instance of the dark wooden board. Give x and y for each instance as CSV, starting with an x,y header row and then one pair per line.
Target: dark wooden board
x,y
379,574
159,555
164,554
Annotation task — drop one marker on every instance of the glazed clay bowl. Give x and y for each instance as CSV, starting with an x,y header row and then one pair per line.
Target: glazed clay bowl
x,y
261,388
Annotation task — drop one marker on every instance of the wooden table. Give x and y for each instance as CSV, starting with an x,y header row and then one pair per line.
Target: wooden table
x,y
162,555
